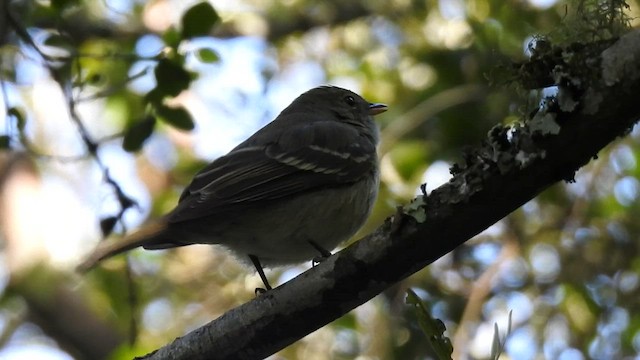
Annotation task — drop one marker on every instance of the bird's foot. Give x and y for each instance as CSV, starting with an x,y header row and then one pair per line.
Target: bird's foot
x,y
265,281
324,253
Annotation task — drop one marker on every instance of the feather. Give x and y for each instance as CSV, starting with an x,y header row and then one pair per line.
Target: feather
x,y
106,249
306,156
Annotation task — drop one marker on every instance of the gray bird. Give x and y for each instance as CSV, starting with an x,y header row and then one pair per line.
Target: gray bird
x,y
294,190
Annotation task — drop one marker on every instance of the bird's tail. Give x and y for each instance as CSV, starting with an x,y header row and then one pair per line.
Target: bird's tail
x,y
147,235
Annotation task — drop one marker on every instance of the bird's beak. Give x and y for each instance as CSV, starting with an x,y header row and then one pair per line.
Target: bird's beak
x,y
375,109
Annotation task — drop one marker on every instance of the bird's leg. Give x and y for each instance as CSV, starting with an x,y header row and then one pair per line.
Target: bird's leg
x,y
324,253
258,266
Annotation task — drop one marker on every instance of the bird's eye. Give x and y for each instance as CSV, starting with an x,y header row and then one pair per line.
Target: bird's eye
x,y
350,100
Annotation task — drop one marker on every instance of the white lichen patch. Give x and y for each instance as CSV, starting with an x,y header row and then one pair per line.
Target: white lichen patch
x,y
544,123
621,61
416,210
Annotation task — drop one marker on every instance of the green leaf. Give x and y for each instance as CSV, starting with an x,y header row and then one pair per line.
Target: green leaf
x,y
199,20
433,328
171,37
497,345
5,142
207,55
171,78
137,133
177,117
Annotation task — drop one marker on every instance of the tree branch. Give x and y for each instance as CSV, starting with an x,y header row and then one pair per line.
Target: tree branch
x,y
513,166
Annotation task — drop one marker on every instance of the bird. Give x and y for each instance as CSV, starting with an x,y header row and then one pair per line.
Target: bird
x,y
295,189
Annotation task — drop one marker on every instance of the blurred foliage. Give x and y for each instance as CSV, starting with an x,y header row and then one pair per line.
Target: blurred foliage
x,y
567,264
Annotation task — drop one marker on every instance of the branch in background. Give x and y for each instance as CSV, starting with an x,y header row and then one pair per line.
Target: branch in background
x,y
335,13
426,110
80,27
480,290
48,299
514,166
64,315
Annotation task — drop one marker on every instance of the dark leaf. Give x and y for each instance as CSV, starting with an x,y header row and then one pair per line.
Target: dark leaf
x,y
57,41
95,79
62,4
171,78
107,224
154,96
5,142
137,133
176,116
199,20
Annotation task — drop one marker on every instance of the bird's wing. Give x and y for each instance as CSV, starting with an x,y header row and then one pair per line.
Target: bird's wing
x,y
307,157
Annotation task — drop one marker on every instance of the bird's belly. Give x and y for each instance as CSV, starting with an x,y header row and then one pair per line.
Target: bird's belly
x,y
289,239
